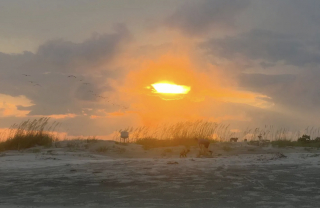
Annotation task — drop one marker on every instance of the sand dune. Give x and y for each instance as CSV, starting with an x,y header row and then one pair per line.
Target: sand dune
x,y
107,174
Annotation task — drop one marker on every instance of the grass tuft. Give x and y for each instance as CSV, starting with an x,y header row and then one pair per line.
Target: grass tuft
x,y
29,134
92,140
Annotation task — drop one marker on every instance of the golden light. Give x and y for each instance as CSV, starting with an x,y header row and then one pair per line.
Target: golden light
x,y
170,88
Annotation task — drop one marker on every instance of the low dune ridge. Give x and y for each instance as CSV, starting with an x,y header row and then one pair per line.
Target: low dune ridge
x,y
132,150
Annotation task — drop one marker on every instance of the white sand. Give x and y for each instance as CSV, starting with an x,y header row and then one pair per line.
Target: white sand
x,y
129,176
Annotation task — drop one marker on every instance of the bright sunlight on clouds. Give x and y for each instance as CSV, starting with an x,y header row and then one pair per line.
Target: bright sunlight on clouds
x,y
210,59
170,88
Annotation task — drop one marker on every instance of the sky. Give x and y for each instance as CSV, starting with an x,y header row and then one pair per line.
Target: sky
x,y
90,65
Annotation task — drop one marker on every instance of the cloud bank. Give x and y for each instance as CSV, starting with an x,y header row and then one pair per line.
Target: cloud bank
x,y
247,62
198,17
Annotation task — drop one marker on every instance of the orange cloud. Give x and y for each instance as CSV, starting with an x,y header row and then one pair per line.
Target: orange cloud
x,y
62,116
116,114
9,105
104,114
205,80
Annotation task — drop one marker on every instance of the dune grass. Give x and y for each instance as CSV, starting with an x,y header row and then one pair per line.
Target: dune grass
x,y
30,133
40,132
181,131
92,140
184,133
176,134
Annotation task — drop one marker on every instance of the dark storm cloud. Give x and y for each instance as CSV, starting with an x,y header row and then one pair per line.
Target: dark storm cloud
x,y
49,87
287,16
261,81
100,48
266,45
296,92
196,17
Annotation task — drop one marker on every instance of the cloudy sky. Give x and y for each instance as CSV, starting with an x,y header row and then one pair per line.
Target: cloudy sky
x,y
90,64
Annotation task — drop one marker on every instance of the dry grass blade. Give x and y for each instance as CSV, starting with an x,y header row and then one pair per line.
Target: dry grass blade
x,y
29,133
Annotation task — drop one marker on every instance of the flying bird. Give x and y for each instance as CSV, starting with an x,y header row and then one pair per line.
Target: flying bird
x,y
27,75
72,76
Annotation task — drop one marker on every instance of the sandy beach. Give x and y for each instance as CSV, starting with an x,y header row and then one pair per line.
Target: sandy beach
x,y
129,176
159,104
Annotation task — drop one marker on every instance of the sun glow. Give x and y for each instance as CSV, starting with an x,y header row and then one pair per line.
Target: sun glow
x,y
170,88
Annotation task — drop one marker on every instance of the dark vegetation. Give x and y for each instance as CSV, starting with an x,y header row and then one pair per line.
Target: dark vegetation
x,y
31,133
181,133
303,141
184,133
40,132
92,140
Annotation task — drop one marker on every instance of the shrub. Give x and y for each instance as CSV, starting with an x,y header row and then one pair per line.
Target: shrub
x,y
304,138
317,139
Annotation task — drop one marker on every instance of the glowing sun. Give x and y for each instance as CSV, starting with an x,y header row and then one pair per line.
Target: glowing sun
x,y
169,88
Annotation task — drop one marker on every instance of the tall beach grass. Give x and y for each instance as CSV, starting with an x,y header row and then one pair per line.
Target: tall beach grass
x,y
30,133
42,132
184,133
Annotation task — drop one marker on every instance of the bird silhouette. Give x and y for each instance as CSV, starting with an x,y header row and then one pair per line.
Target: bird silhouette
x,y
72,76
